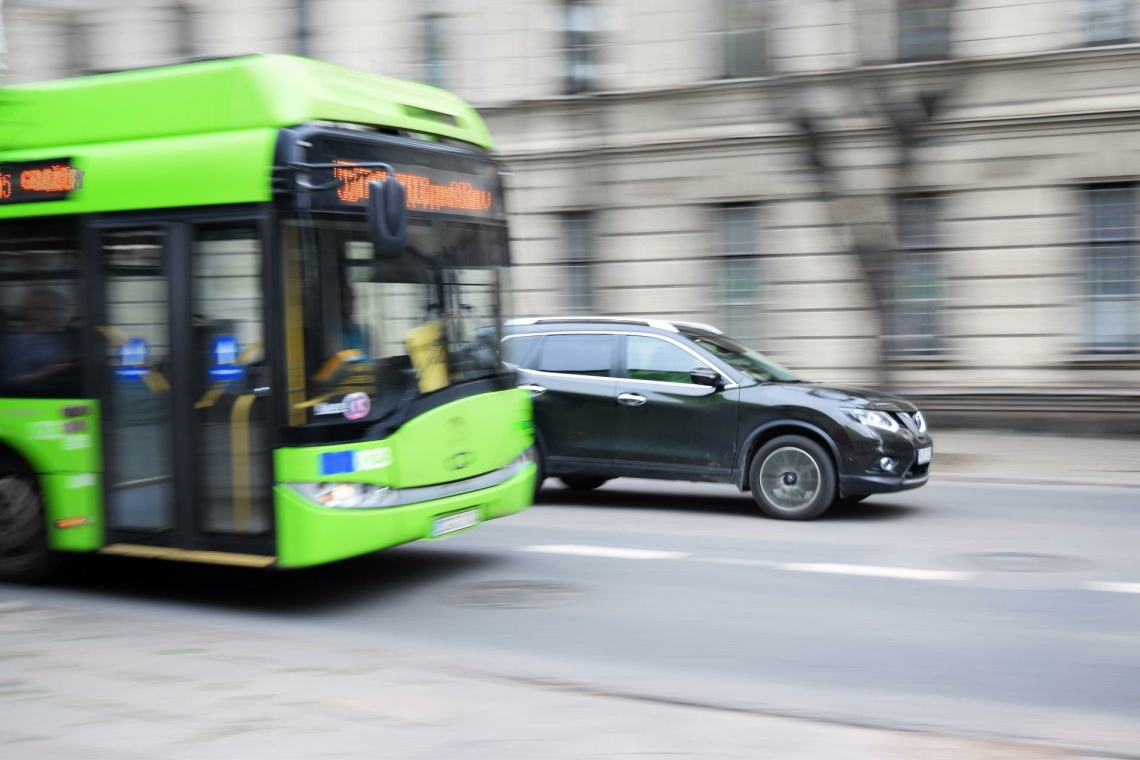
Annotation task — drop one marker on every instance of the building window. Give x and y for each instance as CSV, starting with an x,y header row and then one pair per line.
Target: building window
x,y
578,259
435,64
183,30
739,297
1112,272
579,45
77,34
744,48
1109,22
924,30
915,307
304,28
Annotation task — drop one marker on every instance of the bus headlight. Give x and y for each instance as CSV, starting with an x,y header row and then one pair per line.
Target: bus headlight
x,y
345,495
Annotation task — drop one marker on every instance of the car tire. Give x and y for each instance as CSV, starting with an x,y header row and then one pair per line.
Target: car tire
x,y
793,478
25,555
582,482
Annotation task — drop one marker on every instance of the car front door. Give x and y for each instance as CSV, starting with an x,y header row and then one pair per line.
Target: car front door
x,y
666,423
570,378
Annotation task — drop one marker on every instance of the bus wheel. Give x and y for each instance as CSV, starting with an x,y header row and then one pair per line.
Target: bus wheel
x,y
24,552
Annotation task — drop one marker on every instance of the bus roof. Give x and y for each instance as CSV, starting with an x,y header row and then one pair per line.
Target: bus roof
x,y
203,133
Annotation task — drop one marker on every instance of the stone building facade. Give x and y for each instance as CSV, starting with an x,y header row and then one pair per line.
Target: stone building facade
x,y
945,189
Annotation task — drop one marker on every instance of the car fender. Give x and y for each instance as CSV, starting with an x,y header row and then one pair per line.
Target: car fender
x,y
746,447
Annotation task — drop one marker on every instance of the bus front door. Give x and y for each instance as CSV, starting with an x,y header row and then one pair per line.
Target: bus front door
x,y
185,414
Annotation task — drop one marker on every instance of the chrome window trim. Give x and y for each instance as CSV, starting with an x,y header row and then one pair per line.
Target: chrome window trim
x,y
729,385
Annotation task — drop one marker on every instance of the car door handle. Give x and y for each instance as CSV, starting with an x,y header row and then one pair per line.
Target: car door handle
x,y
535,390
631,399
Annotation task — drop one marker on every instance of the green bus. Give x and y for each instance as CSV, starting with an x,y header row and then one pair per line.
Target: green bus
x,y
250,311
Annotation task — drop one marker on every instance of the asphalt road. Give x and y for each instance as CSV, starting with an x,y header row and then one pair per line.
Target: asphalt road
x,y
976,609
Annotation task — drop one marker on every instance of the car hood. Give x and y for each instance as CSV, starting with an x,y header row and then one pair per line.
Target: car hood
x,y
840,395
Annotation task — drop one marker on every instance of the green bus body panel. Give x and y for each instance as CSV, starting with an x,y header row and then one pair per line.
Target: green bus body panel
x,y
68,464
162,137
70,496
422,453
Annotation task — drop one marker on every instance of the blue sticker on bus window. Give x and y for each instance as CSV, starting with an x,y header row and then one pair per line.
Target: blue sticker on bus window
x,y
132,358
225,351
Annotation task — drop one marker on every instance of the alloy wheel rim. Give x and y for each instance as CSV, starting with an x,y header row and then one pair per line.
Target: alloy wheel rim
x,y
789,478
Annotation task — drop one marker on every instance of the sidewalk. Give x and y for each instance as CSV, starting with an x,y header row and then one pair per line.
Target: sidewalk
x,y
1029,458
76,683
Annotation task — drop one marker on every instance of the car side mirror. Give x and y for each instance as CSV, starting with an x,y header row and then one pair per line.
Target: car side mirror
x,y
707,377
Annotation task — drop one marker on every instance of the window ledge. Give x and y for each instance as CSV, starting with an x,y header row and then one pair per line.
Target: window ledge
x,y
920,361
1111,361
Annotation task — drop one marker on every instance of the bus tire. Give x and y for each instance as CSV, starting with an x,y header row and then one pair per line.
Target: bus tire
x,y
25,555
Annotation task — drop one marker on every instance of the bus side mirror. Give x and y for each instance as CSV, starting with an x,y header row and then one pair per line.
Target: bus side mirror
x,y
387,218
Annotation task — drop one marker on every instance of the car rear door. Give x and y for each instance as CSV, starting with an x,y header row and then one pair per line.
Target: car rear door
x,y
571,380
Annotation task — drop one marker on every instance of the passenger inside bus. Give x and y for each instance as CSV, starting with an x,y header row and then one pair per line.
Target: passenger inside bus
x,y
39,355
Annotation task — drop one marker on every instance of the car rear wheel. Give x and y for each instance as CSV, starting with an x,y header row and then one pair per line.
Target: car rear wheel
x,y
582,482
793,478
24,552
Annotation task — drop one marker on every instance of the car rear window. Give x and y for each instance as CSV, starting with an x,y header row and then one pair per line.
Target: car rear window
x,y
577,355
518,349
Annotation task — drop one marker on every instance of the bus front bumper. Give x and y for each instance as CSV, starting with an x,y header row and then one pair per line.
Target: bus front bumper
x,y
309,534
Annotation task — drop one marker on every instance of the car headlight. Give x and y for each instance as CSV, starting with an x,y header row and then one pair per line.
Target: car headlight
x,y
345,495
920,423
872,418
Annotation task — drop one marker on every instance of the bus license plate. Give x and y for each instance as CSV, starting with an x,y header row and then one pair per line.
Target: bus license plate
x,y
441,526
924,455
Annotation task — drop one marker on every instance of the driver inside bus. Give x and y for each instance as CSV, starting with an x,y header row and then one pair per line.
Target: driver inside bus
x,y
353,337
39,356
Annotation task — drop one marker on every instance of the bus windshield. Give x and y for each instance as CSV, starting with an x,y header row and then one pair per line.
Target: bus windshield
x,y
379,334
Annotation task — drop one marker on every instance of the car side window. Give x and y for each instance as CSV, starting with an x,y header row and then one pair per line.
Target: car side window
x,y
517,349
658,360
577,355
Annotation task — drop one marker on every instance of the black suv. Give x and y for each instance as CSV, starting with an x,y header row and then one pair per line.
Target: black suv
x,y
681,401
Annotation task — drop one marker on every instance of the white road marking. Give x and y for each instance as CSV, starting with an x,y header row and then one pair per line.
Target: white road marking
x,y
878,572
743,562
612,552
872,571
1119,588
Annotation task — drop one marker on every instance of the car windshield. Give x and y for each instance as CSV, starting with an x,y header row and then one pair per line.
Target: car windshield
x,y
750,362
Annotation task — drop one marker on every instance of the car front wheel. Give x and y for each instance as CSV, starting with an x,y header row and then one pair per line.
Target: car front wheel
x,y
793,478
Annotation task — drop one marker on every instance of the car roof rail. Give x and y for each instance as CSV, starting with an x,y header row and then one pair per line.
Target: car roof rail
x,y
699,326
660,324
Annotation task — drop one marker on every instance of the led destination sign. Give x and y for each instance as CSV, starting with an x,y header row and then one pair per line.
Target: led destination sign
x,y
437,181
29,181
423,194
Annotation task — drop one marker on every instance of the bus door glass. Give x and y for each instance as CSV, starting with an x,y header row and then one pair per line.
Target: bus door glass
x,y
137,415
229,379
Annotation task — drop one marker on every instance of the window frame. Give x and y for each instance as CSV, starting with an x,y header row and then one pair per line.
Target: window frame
x,y
579,46
1100,17
731,251
1129,240
933,343
578,259
920,39
734,39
